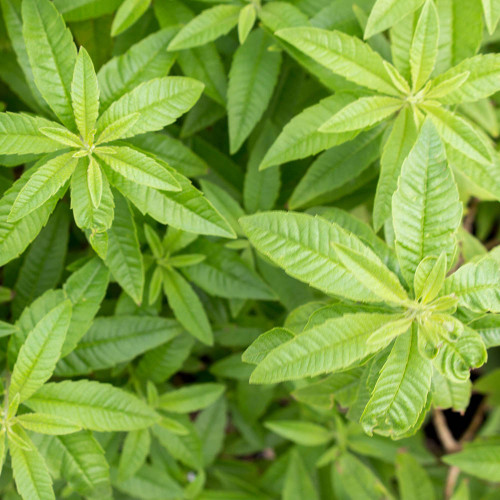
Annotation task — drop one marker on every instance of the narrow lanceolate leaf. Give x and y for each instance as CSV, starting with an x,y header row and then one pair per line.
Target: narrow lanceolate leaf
x,y
265,343
94,182
477,286
42,185
63,136
386,13
160,102
86,215
191,398
85,94
32,478
128,13
118,129
373,274
484,73
399,143
207,26
20,134
139,168
246,20
343,54
332,346
253,76
39,354
400,393
144,61
93,405
303,433
424,46
298,482
302,246
491,14
52,55
460,135
300,137
134,453
479,459
124,257
47,424
186,305
413,480
426,209
362,113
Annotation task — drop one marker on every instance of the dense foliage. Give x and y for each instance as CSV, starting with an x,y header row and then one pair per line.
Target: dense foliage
x,y
250,250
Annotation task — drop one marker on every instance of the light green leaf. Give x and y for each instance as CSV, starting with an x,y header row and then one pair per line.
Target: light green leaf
x,y
93,405
479,459
124,257
448,393
44,183
52,55
413,480
134,453
191,398
85,95
386,13
491,14
265,343
331,346
211,427
298,483
30,472
248,98
20,134
63,136
439,89
477,285
246,20
118,129
429,277
159,101
127,14
424,47
343,54
400,393
426,209
47,424
186,305
397,146
300,432
207,26
94,182
362,113
138,168
115,340
302,246
39,354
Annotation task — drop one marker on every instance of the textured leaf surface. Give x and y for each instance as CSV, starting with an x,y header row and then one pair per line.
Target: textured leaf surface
x,y
386,13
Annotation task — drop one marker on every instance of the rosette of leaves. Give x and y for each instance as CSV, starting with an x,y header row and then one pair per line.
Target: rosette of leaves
x,y
379,105
399,319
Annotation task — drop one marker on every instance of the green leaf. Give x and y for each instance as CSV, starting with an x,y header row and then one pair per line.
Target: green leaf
x,y
134,453
298,483
39,354
265,343
397,146
246,20
448,393
207,26
47,424
424,47
426,209
440,89
93,405
477,285
127,14
44,183
52,55
300,432
138,168
484,71
63,136
192,398
159,101
86,215
186,305
85,95
252,78
331,346
21,134
30,472
460,135
479,459
115,340
94,182
343,54
124,257
211,427
300,137
386,13
491,14
362,113
302,246
400,394
413,480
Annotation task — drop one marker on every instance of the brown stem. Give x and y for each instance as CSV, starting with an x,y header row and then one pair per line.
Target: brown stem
x,y
450,444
